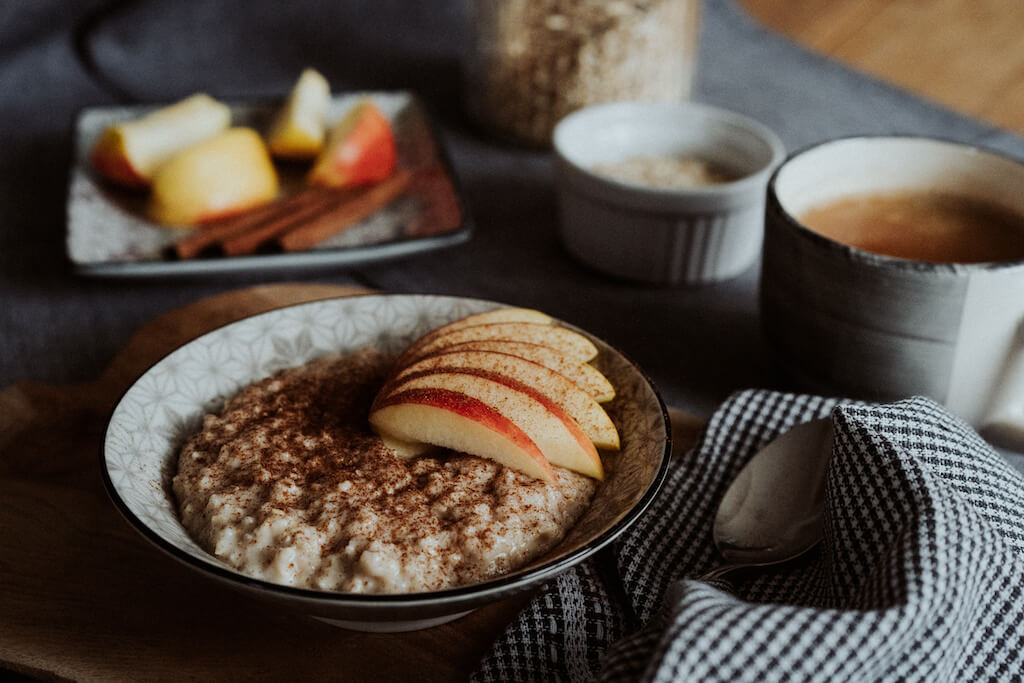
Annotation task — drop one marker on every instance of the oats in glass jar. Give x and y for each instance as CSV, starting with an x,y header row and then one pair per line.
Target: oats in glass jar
x,y
532,62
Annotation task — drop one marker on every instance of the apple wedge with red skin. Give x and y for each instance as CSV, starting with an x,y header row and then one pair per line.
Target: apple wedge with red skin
x,y
569,343
585,376
453,420
556,388
360,149
559,438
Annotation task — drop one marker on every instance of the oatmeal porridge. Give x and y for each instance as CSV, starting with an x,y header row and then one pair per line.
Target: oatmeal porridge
x,y
289,484
665,172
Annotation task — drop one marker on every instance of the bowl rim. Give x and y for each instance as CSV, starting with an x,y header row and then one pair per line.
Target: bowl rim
x,y
774,207
742,190
522,578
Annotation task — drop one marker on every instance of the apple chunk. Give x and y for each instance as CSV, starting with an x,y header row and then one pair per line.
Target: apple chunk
x,y
360,149
556,388
214,178
562,339
558,436
299,128
585,376
453,420
129,153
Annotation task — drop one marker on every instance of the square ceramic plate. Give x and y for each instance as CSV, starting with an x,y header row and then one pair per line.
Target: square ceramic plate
x,y
108,233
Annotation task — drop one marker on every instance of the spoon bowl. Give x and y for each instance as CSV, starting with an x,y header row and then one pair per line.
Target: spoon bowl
x,y
774,510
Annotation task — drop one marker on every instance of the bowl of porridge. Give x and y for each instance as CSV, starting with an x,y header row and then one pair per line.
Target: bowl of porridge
x,y
248,456
663,193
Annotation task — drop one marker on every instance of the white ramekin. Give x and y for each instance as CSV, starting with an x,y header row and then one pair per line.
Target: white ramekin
x,y
659,236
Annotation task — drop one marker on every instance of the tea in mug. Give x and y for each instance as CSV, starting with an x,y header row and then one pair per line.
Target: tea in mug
x,y
936,227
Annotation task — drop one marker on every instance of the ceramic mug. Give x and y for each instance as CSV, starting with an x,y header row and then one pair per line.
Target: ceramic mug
x,y
881,328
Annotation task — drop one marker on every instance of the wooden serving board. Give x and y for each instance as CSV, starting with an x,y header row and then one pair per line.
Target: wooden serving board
x,y
84,597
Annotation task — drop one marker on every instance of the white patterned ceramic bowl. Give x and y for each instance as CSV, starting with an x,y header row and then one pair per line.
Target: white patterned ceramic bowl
x,y
657,235
168,402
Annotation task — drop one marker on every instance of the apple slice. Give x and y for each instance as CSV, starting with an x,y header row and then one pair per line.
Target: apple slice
x,y
556,388
499,315
299,128
562,339
130,152
558,436
453,420
218,177
406,449
586,376
360,149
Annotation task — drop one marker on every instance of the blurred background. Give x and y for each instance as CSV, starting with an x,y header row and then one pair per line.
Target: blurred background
x,y
966,54
58,57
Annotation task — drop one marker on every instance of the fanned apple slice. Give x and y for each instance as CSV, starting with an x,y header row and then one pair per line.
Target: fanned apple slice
x,y
556,388
454,420
558,436
584,375
499,315
406,449
562,339
299,128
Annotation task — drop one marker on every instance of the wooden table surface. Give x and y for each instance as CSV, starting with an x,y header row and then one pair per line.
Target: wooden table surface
x,y
965,54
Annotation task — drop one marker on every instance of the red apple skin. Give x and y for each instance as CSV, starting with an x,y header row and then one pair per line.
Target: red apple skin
x,y
361,150
471,409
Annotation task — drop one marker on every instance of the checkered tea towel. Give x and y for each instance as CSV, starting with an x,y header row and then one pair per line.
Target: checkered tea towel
x,y
919,576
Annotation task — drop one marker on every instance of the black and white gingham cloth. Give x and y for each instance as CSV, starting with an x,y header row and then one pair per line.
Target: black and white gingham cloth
x,y
919,577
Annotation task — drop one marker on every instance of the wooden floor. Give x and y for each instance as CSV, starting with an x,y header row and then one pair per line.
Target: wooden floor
x,y
966,54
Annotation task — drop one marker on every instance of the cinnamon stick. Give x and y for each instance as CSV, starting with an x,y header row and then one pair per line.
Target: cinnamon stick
x,y
345,214
210,234
248,241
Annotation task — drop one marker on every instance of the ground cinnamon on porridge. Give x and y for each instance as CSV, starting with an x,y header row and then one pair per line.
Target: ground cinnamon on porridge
x,y
288,484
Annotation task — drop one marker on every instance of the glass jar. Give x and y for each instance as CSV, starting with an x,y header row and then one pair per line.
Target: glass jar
x,y
531,62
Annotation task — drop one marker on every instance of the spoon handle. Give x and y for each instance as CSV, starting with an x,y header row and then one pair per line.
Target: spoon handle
x,y
717,573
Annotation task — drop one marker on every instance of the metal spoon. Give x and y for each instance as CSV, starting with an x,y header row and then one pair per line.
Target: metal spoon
x,y
773,511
